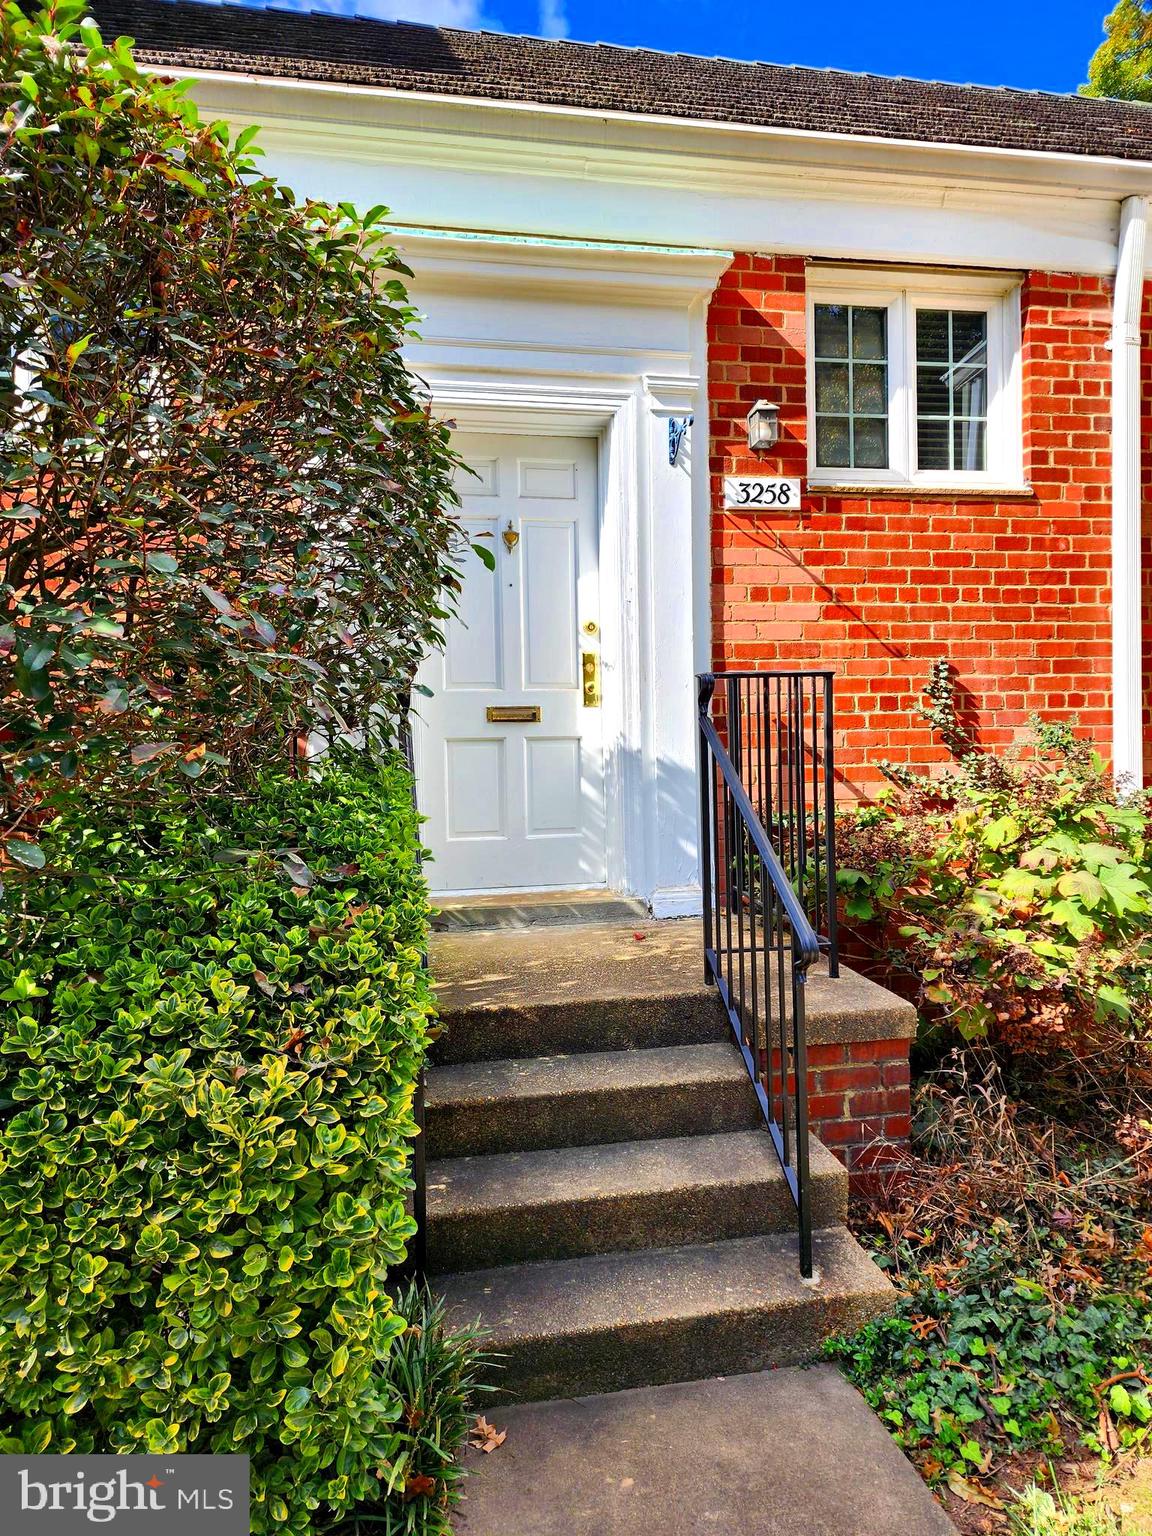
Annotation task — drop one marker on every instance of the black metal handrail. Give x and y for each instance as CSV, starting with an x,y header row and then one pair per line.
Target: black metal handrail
x,y
779,730
768,872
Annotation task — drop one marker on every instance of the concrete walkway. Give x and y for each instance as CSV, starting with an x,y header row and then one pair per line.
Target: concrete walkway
x,y
779,1453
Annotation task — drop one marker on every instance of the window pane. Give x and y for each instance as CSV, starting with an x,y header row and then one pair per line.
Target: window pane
x,y
951,389
871,444
970,391
932,335
851,384
932,393
968,444
833,442
869,333
932,442
969,334
831,330
869,389
832,387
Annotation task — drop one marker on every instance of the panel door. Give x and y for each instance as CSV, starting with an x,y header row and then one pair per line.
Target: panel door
x,y
518,804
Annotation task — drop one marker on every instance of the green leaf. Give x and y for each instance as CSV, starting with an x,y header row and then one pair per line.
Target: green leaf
x,y
1001,832
184,177
1082,884
485,555
77,348
31,855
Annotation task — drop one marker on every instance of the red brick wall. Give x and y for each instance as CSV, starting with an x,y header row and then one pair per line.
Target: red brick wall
x,y
1012,591
859,1099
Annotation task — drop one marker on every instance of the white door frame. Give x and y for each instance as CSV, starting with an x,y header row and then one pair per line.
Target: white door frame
x,y
606,344
636,622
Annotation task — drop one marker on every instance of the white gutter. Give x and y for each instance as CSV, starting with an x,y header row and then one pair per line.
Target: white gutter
x,y
1127,683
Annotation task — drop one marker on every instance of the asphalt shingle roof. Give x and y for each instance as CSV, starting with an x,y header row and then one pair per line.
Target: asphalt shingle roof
x,y
597,77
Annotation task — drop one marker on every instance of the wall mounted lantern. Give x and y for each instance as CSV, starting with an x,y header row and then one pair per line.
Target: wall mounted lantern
x,y
763,426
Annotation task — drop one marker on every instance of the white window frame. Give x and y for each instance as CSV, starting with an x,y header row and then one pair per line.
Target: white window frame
x,y
901,294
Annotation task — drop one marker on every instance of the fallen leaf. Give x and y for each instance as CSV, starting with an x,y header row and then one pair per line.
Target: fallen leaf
x,y
419,1487
972,1493
1109,1439
486,1437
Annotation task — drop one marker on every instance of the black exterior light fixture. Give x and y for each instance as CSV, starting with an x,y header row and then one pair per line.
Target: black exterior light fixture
x,y
763,426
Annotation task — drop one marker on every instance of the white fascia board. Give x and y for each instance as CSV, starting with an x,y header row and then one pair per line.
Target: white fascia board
x,y
941,229
1089,171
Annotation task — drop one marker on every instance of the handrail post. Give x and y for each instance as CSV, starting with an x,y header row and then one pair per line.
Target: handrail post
x,y
800,1114
830,831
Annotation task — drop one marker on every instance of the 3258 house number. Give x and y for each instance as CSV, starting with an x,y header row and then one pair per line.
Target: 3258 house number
x,y
756,493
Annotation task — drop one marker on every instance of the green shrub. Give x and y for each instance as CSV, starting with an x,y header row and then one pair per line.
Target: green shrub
x,y
284,557
206,1072
1019,892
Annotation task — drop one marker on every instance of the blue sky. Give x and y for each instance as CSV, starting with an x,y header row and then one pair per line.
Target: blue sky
x,y
990,42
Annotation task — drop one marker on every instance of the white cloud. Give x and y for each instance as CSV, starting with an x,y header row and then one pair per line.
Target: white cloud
x,y
553,18
434,13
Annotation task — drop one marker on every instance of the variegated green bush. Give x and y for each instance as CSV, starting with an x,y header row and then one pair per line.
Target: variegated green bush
x,y
207,1063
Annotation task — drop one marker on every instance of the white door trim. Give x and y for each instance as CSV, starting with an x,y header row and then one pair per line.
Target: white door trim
x,y
652,554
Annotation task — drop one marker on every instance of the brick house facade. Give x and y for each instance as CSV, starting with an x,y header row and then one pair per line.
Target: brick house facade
x,y
1014,592
618,252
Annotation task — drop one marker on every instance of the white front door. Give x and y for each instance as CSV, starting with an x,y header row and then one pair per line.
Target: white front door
x,y
509,744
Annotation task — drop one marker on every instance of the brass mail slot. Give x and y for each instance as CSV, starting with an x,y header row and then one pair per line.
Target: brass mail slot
x,y
524,714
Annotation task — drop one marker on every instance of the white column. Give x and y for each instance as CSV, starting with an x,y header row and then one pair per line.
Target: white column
x,y
668,546
1127,683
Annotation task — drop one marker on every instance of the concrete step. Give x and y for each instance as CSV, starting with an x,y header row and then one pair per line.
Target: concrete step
x,y
581,1100
620,1320
563,1203
610,987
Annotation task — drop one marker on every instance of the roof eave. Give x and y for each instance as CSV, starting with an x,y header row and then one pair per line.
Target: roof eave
x,y
1119,175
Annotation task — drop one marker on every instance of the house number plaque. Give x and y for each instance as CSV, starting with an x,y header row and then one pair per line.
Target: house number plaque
x,y
760,493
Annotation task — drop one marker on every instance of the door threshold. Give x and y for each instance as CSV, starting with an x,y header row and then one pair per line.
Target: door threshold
x,y
534,909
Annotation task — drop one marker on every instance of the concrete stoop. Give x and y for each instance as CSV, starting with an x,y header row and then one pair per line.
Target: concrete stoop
x,y
776,1453
602,1192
